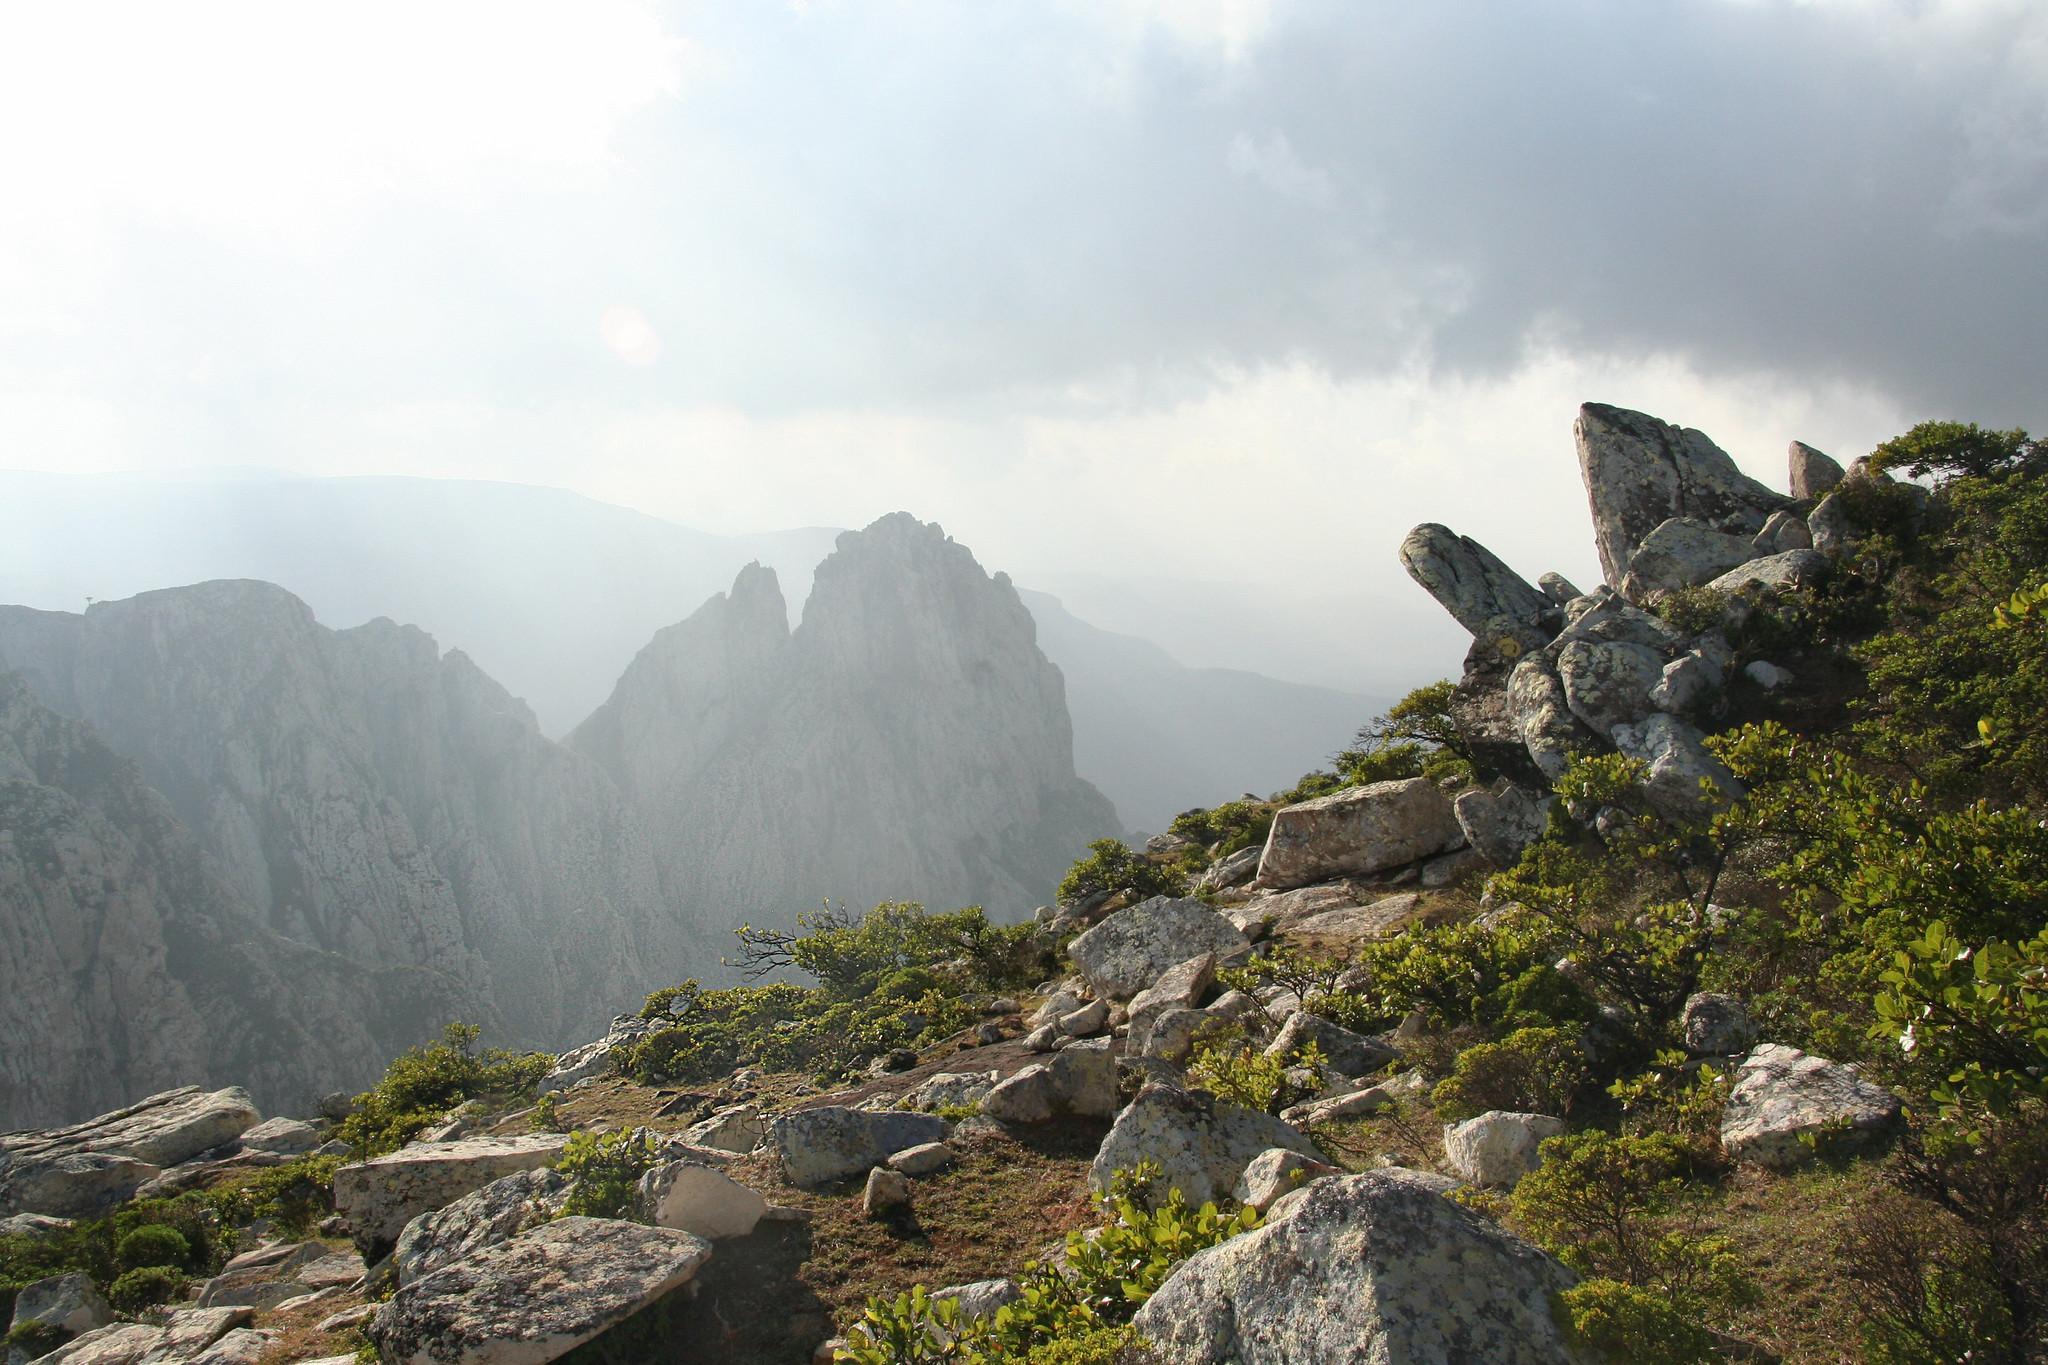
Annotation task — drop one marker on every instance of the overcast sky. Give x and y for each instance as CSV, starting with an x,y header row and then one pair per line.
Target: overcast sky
x,y
1211,290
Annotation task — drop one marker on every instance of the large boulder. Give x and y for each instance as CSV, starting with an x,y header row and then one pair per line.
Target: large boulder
x,y
1134,947
1502,820
1473,584
1608,683
1357,830
1366,1269
1180,987
380,1196
737,1128
1200,1143
537,1296
1681,553
481,1218
951,1090
83,1168
1080,1080
118,1343
831,1143
697,1199
1498,1148
1543,718
1811,474
1641,472
1676,755
1775,573
1348,1053
68,1301
285,1137
1781,1094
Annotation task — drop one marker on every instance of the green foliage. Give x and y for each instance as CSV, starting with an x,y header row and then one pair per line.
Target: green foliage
x,y
606,1169
1632,1325
1693,610
1112,867
1977,1016
1417,737
851,957
295,1195
1498,977
1227,828
1531,1071
425,1082
94,1245
34,1339
1232,1066
1961,449
145,1288
1672,1097
545,1118
1603,1204
153,1244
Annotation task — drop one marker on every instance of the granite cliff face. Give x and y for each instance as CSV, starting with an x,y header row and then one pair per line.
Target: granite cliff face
x,y
128,964
364,794
907,741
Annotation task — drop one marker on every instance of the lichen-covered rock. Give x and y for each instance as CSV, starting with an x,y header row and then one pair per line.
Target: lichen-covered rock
x,y
118,1343
1608,683
1677,758
1200,1143
1781,1093
1784,572
1681,553
886,1191
1542,715
74,1183
1172,1035
1348,1053
1690,683
68,1301
1085,1021
1081,1081
481,1218
951,1090
1025,1097
923,1159
1133,947
1280,911
68,1171
1367,1269
1273,1173
1716,1025
1784,531
1361,923
190,1331
1811,474
537,1296
242,1346
286,1137
1640,472
982,1298
1502,820
380,1196
1471,582
737,1128
1179,987
697,1199
1498,1148
1605,616
594,1059
818,1145
1831,525
1357,830
1234,870
1059,1003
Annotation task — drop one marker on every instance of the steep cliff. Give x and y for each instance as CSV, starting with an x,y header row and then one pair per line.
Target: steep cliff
x,y
129,965
907,741
367,795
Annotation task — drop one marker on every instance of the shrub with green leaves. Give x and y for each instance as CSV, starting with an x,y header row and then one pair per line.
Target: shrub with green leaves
x,y
424,1083
1497,977
153,1244
294,1195
606,1169
1225,829
1112,868
1230,1065
1416,737
1625,1323
145,1288
1531,1071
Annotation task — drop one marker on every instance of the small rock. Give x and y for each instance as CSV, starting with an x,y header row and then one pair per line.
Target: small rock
x,y
1784,531
189,1331
1201,1144
1362,923
1085,1021
1767,675
1498,1148
988,1035
1716,1025
347,1318
1056,1005
1357,1104
982,1298
951,1090
1690,683
1002,1004
285,1136
1781,1093
886,1191
1273,1173
1441,872
1779,572
1043,1038
922,1159
737,1128
1180,987
1172,1036
243,1346
1348,1053
337,1106
1812,474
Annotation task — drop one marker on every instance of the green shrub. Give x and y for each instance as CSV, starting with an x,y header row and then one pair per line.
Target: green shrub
x,y
145,1288
1632,1325
36,1338
1112,867
1693,610
1498,978
1531,1071
607,1170
1227,828
424,1083
295,1195
1416,737
1234,1068
153,1244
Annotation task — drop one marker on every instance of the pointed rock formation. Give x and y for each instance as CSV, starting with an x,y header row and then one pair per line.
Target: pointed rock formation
x,y
1812,474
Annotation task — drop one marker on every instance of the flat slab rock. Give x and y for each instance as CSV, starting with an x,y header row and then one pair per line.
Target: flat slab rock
x,y
379,1197
537,1296
831,1143
496,1213
1395,1275
1780,1093
79,1169
1357,830
1134,947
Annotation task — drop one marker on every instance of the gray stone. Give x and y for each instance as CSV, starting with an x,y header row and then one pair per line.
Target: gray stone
x,y
1606,617
697,1199
1716,1025
982,1298
1678,761
819,1145
1347,1053
1767,675
1081,1081
1085,1021
1776,573
1498,1148
1690,684
923,1159
73,1183
1499,822
1395,1273
33,1225
1168,843
1336,1108
1383,918
1557,588
1609,683
1280,911
190,1331
1180,987
537,1296
1452,867
1781,1093
951,1090
1057,1005
1832,527
1640,472
118,1343
331,1272
1810,474
1043,1038
1025,1097
287,1137
1273,1173
379,1197
1681,553
1235,870
1357,830
242,1346
737,1128
886,1191
1543,716
1473,585
68,1301
1201,1144
1133,947
1172,1035
1784,531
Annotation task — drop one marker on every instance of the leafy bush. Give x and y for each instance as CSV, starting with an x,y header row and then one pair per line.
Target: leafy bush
x,y
1531,1071
607,1169
1234,1068
1111,867
1227,828
145,1288
1417,737
850,957
153,1244
295,1195
93,1245
1929,1289
1693,610
1497,977
1674,1097
1631,1324
426,1082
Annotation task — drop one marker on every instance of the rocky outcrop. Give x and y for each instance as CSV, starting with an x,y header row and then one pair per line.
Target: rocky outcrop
x,y
380,1196
830,1143
1782,1095
697,1199
1640,472
907,741
1481,592
1358,830
1347,1053
1396,1274
1134,947
484,1217
81,1169
1811,474
1200,1143
1681,553
1498,1148
1081,1081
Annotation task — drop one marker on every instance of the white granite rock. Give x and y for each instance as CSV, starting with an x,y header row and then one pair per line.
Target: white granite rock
x,y
1780,1093
1498,1148
380,1196
1357,830
697,1199
1201,1144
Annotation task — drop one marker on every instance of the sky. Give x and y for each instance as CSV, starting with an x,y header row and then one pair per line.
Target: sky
x,y
1196,301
